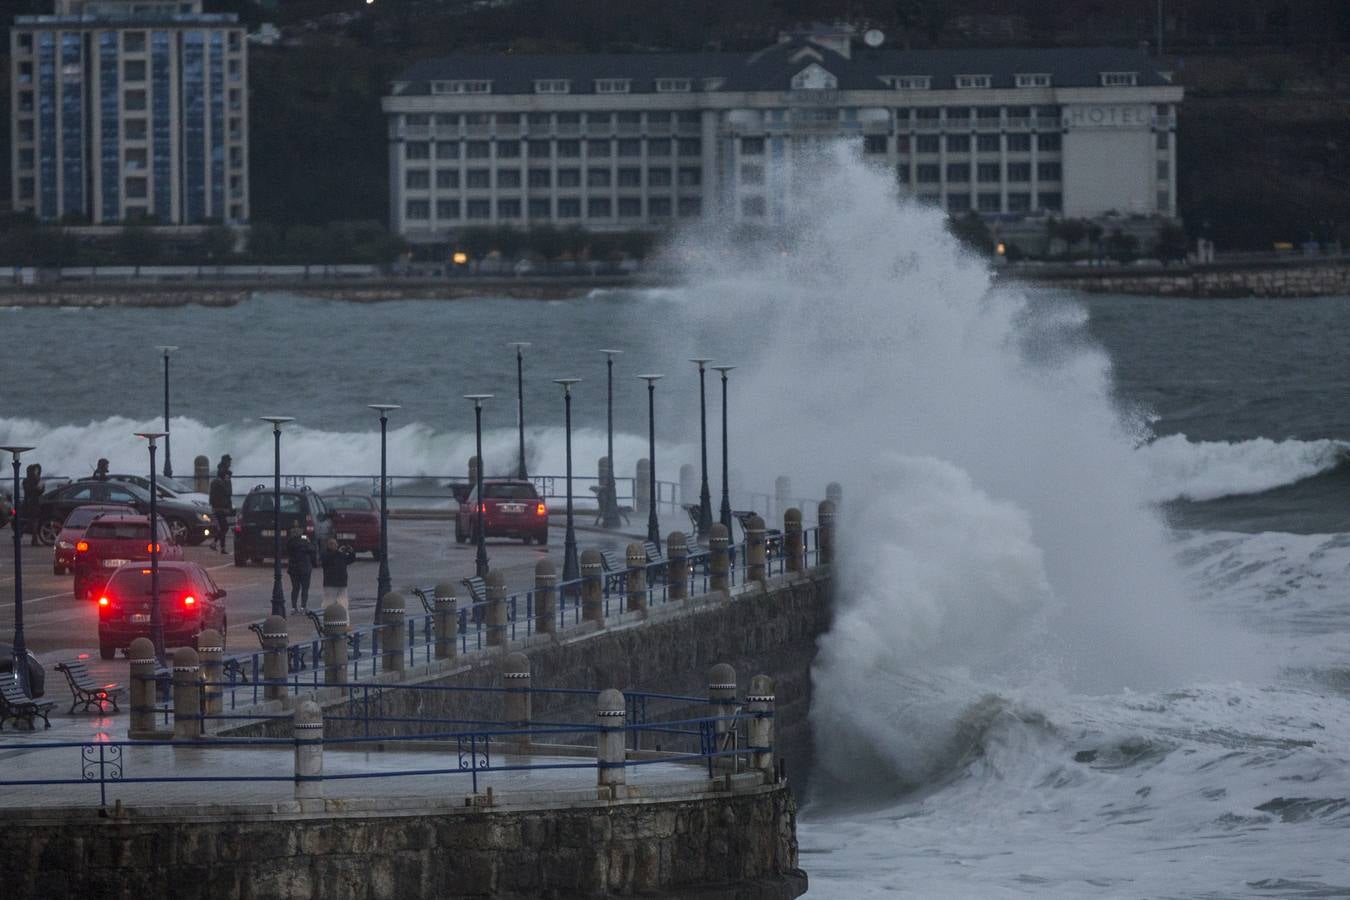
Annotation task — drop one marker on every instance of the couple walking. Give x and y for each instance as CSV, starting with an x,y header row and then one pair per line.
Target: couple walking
x,y
302,559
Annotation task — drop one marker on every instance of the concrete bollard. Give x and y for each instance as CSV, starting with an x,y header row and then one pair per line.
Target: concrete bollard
x,y
825,533
602,470
446,622
688,483
719,562
187,695
201,474
792,540
393,634
760,702
473,471
275,641
307,731
336,626
722,703
545,597
677,566
516,700
611,715
782,490
211,653
755,551
642,489
834,492
496,609
592,587
636,587
141,653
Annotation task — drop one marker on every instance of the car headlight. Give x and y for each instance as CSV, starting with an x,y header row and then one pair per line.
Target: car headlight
x,y
64,545
205,517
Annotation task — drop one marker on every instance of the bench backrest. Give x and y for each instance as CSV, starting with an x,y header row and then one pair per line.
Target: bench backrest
x,y
477,588
10,690
612,561
654,553
76,671
425,595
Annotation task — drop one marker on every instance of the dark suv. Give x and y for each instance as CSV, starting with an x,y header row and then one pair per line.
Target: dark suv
x,y
253,526
189,523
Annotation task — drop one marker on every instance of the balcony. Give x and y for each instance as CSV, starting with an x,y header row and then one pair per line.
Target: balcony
x,y
690,128
630,128
658,128
568,128
602,129
509,129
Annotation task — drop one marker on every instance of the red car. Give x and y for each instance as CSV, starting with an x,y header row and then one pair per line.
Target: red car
x,y
189,602
356,522
63,559
111,540
511,508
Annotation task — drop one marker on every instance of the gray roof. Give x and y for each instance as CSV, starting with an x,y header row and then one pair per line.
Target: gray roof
x,y
772,68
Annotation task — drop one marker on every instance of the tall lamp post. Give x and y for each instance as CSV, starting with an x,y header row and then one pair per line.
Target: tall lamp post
x,y
278,598
383,584
480,565
726,494
704,498
653,528
571,569
611,510
20,646
520,404
168,466
156,613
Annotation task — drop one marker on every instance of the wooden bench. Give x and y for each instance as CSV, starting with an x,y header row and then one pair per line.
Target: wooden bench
x,y
699,557
16,705
773,537
615,568
295,653
83,688
603,497
692,509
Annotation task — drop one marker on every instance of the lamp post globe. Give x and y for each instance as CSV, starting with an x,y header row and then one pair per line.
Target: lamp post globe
x,y
166,349
20,661
653,526
278,598
156,612
520,405
481,559
571,566
383,584
611,507
725,517
704,496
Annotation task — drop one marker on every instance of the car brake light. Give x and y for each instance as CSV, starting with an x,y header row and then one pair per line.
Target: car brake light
x,y
102,601
541,510
81,546
189,600
145,571
238,528
482,508
152,548
309,525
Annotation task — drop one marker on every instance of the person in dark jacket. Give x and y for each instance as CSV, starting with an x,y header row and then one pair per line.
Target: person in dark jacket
x,y
101,470
222,500
32,500
335,560
300,562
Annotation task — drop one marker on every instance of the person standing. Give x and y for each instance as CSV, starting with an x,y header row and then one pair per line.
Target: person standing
x,y
300,562
222,500
101,470
32,500
335,560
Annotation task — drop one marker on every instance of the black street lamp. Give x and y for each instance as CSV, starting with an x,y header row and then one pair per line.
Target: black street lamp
x,y
383,585
168,466
520,404
156,613
704,498
653,528
480,564
278,598
611,509
726,495
20,646
571,569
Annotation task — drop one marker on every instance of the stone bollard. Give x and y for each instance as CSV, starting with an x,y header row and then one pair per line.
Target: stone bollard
x,y
834,492
755,551
782,489
602,470
336,626
825,533
677,566
545,597
187,695
688,483
516,700
141,653
473,471
275,640
636,578
307,731
642,489
592,587
496,609
393,635
792,540
760,702
211,652
611,714
447,622
201,474
719,563
722,703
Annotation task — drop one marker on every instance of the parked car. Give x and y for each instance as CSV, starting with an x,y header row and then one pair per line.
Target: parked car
x,y
72,530
37,675
112,540
255,521
512,508
356,522
188,523
189,601
167,488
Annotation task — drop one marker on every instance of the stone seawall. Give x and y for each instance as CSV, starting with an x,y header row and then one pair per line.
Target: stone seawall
x,y
1273,280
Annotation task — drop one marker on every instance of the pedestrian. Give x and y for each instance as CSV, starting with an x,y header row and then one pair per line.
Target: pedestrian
x,y
101,470
222,500
32,500
300,562
335,560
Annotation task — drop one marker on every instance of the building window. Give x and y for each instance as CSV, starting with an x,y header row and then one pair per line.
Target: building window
x,y
569,149
752,146
927,143
691,177
477,150
447,209
630,177
691,207
134,101
569,208
658,177
1120,79
689,147
630,208
965,82
902,174
958,172
541,178
1053,201
133,70
569,178
599,208
461,87
987,173
417,120
508,178
958,202
907,82
672,85
988,115
1019,172
988,203
539,149
415,209
659,147
752,174
612,86
1048,143
927,114
447,149
597,178
928,173
1019,143
1164,201
754,206
1019,202
478,179
874,143
136,188
902,143
133,41
26,129
417,150
1049,171
630,147
597,149
508,149
659,207
508,208
987,143
1163,170
541,208
26,158
447,179
478,209
1035,80
540,122
417,179
552,86
447,120
958,114
931,199
1162,140
958,143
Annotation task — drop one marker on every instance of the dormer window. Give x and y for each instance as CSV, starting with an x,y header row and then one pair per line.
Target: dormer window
x,y
713,84
552,86
814,78
672,85
461,87
1120,79
907,82
612,85
1033,80
968,82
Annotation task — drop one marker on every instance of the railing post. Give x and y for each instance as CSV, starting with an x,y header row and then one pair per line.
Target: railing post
x,y
545,597
516,701
336,625
782,489
275,641
211,650
722,703
141,654
611,712
592,590
636,588
392,635
496,610
642,494
761,702
447,622
307,731
187,695
755,556
677,566
825,533
719,564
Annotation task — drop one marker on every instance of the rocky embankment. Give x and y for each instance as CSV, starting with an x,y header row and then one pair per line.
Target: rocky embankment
x,y
1300,278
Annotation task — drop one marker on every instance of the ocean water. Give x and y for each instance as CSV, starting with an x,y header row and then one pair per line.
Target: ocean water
x,y
1093,635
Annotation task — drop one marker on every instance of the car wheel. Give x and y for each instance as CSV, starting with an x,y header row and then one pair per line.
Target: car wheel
x,y
58,570
48,532
375,555
178,531
240,560
460,537
106,651
542,539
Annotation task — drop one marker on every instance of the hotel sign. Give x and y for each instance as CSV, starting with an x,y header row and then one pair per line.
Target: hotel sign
x,y
1135,115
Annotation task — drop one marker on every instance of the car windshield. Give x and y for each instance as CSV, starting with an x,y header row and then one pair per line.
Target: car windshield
x,y
290,503
119,531
136,581
509,492
174,485
81,516
346,502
